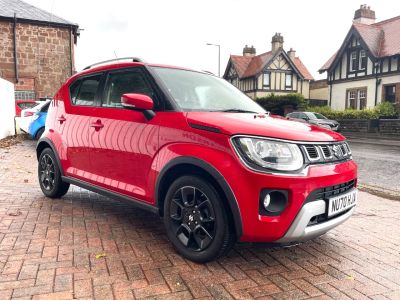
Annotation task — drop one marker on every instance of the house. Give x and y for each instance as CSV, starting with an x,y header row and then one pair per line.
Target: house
x,y
366,69
36,49
275,71
318,92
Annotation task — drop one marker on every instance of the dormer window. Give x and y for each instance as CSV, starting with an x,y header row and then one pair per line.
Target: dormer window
x,y
363,60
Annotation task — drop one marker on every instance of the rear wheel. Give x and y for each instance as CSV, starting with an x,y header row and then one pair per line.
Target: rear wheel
x,y
50,176
196,221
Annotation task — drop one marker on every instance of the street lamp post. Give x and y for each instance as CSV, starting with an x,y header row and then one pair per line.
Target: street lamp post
x,y
219,57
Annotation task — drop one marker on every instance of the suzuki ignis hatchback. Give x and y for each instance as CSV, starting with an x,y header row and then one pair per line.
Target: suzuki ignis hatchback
x,y
192,148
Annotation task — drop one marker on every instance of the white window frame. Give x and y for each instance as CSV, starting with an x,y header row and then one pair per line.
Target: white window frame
x,y
266,79
363,54
353,56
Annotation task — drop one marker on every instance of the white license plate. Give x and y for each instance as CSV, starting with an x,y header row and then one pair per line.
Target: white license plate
x,y
342,202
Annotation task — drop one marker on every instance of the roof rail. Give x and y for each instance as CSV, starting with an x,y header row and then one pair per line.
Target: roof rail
x,y
133,59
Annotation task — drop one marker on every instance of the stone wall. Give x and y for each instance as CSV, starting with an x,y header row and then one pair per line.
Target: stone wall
x,y
382,127
389,127
44,57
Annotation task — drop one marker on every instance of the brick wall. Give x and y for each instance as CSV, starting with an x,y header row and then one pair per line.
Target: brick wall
x,y
44,57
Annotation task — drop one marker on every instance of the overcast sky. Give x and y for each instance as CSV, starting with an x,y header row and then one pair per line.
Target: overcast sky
x,y
175,32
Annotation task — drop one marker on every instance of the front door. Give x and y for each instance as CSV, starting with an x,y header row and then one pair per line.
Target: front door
x,y
123,142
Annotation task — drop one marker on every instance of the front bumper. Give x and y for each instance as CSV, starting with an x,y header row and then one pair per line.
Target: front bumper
x,y
301,231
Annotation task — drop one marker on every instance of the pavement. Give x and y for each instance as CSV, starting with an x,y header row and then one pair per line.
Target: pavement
x,y
85,246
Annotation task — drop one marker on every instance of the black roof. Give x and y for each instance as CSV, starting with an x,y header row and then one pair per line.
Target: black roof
x,y
31,14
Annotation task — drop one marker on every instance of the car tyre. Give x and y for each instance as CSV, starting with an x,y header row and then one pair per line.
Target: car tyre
x,y
49,175
196,221
39,133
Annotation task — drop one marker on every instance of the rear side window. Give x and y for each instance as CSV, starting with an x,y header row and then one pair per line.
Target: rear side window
x,y
25,105
83,91
119,83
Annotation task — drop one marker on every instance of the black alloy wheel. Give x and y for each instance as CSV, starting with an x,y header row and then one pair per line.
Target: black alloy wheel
x,y
196,221
50,176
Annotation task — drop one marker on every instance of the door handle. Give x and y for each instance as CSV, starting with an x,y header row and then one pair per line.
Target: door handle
x,y
61,119
97,125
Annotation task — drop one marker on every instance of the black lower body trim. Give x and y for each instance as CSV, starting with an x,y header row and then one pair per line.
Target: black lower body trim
x,y
111,194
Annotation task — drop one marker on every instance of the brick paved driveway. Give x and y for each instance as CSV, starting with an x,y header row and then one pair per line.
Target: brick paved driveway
x,y
48,250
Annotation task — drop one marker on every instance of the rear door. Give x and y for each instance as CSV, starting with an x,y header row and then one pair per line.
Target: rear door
x,y
123,142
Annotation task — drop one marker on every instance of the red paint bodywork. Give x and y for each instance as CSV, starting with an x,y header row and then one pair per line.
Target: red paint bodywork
x,y
120,150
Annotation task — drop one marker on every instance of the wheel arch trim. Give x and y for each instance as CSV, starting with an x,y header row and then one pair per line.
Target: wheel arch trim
x,y
215,174
45,140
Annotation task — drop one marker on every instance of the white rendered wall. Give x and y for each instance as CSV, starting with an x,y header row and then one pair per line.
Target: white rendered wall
x,y
7,109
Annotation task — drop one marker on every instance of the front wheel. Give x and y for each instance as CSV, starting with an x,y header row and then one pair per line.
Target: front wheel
x,y
196,221
49,175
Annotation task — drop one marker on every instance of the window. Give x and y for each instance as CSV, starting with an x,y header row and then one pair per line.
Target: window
x,y
362,96
25,105
363,60
357,98
83,91
288,81
119,83
353,61
267,79
25,95
390,93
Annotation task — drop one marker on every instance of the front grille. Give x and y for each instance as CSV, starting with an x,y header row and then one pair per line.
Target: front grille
x,y
322,153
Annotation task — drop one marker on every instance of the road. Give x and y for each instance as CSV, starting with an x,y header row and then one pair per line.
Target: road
x,y
379,165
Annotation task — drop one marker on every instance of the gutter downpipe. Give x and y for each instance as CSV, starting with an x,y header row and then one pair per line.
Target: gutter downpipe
x,y
15,49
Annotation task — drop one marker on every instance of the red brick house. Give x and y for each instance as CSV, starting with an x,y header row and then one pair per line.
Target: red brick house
x,y
36,49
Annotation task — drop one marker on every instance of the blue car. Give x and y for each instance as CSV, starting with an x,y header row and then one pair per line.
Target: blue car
x,y
37,125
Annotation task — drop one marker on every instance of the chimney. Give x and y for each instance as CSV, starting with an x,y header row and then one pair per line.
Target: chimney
x,y
292,54
249,51
277,42
364,15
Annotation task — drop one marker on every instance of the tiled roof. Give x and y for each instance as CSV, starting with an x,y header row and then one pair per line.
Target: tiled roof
x,y
302,69
25,11
247,66
382,39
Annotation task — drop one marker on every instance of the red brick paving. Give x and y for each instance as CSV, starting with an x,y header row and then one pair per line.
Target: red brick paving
x,y
48,250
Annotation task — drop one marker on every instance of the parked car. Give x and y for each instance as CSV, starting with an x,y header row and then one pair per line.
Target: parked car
x,y
192,148
37,125
23,104
27,115
315,118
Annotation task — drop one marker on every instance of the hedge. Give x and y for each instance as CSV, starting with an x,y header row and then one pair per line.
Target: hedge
x,y
383,110
276,103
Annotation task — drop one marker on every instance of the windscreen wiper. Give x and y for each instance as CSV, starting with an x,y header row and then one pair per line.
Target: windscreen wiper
x,y
238,110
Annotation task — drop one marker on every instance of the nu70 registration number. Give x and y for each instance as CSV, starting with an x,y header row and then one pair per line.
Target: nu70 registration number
x,y
342,202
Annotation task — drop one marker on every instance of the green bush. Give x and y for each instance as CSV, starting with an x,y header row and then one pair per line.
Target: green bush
x,y
276,103
385,109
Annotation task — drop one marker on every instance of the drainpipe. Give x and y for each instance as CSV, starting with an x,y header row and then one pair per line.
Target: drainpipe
x,y
70,50
15,49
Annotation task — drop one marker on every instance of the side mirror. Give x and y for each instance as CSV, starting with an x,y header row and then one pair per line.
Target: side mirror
x,y
139,102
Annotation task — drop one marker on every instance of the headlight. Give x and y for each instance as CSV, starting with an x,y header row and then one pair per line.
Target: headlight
x,y
269,154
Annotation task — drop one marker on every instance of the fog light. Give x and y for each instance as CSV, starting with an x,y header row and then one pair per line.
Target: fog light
x,y
267,201
273,202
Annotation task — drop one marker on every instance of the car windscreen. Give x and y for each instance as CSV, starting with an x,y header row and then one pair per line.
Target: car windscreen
x,y
195,91
316,116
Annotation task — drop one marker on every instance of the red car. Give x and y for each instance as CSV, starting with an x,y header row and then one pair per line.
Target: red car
x,y
192,148
23,104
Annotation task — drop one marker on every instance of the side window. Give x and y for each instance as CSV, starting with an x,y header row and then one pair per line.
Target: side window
x,y
294,115
83,91
119,83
